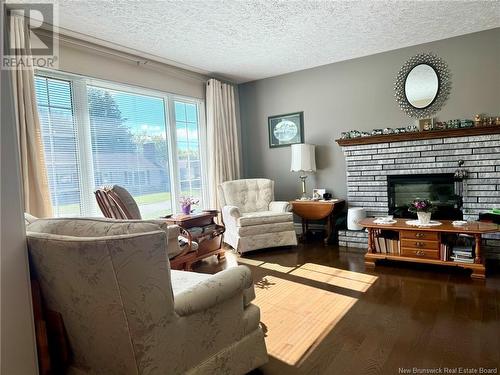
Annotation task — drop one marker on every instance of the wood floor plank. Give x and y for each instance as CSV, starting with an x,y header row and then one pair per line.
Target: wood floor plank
x,y
401,315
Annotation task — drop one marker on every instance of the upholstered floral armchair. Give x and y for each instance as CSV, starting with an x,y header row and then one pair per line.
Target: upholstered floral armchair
x,y
252,218
126,312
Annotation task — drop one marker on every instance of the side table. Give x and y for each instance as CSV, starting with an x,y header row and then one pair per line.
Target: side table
x,y
204,230
318,210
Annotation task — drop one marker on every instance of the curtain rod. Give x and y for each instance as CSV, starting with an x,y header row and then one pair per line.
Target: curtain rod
x,y
131,57
222,82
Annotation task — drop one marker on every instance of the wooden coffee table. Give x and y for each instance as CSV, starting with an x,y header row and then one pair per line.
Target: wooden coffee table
x,y
421,244
318,210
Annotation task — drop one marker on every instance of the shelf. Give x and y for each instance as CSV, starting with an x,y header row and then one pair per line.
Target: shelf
x,y
213,232
414,136
478,269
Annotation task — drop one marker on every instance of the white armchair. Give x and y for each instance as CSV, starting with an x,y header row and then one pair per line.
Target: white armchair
x,y
126,312
253,219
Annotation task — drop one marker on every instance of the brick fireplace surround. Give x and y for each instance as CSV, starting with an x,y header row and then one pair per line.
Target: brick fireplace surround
x,y
369,165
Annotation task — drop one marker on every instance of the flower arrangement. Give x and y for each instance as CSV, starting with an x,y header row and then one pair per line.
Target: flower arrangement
x,y
421,205
423,208
186,203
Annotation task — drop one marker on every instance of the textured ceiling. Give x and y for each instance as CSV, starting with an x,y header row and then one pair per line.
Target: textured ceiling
x,y
248,40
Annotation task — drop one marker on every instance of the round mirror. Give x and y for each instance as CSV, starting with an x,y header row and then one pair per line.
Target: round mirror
x,y
421,86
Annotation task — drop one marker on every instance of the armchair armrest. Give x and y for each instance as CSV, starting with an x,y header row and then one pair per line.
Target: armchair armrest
x,y
230,214
232,211
280,206
213,291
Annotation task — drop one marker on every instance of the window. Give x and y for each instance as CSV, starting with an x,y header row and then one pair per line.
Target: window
x,y
97,133
188,149
59,136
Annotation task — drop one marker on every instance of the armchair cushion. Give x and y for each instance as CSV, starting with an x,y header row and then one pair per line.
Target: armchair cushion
x,y
280,206
183,280
248,195
213,290
263,217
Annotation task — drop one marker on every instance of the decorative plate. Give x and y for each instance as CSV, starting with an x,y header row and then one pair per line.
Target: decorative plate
x,y
286,130
384,222
417,223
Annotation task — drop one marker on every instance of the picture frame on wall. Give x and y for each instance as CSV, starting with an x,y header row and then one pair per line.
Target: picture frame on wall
x,y
286,130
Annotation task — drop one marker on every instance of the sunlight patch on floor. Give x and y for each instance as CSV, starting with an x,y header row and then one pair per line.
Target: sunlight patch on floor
x,y
356,281
359,282
250,262
297,316
277,267
266,265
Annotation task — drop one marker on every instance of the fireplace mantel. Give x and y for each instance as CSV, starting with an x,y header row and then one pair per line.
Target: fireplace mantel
x,y
413,136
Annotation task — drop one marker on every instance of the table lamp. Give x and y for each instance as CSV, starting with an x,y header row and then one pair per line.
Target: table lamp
x,y
303,161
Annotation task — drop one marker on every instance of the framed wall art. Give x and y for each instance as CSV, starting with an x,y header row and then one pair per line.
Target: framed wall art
x,y
285,130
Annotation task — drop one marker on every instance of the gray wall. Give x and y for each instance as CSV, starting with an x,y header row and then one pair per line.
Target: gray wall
x,y
358,94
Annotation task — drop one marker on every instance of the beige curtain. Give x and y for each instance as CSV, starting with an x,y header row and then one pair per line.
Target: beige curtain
x,y
33,170
222,133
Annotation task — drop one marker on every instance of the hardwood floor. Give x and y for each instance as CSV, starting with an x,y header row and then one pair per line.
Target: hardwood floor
x,y
403,316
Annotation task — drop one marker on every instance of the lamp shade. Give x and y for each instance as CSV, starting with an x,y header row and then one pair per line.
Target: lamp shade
x,y
303,158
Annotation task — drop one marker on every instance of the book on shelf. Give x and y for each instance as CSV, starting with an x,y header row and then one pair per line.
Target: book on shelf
x,y
462,253
444,251
458,256
381,245
462,260
457,248
387,242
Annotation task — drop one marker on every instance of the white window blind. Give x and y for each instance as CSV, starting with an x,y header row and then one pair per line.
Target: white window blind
x,y
59,136
188,149
112,134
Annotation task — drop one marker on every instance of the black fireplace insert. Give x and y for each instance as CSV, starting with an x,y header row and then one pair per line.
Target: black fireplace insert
x,y
438,188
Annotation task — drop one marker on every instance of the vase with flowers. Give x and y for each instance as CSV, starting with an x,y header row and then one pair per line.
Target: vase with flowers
x,y
186,203
423,208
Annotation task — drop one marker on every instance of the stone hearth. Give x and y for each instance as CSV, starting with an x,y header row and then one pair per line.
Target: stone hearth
x,y
369,165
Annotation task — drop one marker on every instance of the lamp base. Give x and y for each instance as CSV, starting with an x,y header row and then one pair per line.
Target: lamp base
x,y
304,196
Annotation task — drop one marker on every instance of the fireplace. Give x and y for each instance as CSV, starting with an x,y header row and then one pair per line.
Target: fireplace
x,y
438,188
370,167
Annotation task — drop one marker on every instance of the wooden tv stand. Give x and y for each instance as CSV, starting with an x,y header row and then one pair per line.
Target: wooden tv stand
x,y
422,244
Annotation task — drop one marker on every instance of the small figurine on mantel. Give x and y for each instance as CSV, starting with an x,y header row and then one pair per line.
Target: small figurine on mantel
x,y
440,125
478,120
427,124
497,121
